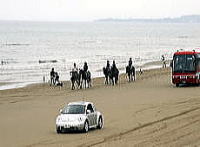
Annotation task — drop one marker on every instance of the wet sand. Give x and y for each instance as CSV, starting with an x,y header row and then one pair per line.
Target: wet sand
x,y
148,112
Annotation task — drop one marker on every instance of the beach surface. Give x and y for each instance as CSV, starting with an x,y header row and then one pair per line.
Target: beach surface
x,y
148,112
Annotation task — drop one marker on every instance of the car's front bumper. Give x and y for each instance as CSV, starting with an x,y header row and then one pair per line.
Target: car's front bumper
x,y
70,126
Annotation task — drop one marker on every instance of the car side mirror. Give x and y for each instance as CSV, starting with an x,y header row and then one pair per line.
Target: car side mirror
x,y
88,111
60,110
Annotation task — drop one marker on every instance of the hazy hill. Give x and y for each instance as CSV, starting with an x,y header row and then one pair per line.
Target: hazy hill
x,y
182,19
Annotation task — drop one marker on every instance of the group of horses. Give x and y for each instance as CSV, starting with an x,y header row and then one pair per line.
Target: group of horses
x,y
82,79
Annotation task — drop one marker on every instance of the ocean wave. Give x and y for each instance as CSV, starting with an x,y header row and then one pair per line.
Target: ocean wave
x,y
15,44
48,61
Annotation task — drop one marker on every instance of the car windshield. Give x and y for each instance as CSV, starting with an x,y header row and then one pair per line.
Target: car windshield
x,y
184,63
74,109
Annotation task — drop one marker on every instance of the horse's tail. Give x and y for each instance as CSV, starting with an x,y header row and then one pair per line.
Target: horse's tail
x,y
127,69
104,70
133,69
116,71
89,74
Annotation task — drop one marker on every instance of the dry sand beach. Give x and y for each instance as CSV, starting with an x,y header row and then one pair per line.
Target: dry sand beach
x,y
149,112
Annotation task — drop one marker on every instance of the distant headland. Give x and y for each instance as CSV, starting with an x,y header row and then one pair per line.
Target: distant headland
x,y
182,19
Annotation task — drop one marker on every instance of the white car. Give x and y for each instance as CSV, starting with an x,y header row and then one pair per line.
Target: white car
x,y
79,116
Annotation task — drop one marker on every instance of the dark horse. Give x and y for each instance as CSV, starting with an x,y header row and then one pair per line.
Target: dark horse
x,y
85,78
130,70
107,73
114,75
75,79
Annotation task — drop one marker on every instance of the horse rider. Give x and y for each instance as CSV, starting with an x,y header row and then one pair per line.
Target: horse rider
x,y
75,69
108,65
130,62
114,65
52,76
85,67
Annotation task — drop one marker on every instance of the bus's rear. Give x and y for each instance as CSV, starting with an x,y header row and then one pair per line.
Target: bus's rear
x,y
185,68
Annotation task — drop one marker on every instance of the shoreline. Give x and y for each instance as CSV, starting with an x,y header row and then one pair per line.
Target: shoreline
x,y
14,85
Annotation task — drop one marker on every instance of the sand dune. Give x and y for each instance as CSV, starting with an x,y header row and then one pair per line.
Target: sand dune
x,y
149,112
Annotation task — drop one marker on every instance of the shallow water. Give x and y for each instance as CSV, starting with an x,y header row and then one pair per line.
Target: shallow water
x,y
23,44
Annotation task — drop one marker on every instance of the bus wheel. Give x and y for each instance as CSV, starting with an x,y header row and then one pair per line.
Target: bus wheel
x,y
177,85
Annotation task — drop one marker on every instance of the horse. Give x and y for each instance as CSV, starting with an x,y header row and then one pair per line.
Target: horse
x,y
130,70
75,79
114,75
107,73
86,77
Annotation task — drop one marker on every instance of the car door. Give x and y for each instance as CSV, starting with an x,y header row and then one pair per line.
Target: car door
x,y
94,116
90,115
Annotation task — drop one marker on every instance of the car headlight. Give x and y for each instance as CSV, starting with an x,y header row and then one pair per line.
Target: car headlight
x,y
58,119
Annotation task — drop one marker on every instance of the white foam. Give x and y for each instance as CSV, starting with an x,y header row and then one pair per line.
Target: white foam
x,y
14,85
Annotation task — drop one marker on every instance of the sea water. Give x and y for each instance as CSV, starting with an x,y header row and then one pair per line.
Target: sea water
x,y
60,44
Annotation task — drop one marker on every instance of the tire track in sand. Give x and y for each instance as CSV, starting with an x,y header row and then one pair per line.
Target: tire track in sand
x,y
106,139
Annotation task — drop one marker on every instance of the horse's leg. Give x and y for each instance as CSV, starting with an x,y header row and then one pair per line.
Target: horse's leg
x,y
131,76
54,81
116,79
112,81
87,83
77,83
106,80
73,86
90,82
128,77
81,82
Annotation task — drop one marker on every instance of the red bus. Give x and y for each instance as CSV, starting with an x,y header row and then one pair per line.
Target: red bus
x,y
186,68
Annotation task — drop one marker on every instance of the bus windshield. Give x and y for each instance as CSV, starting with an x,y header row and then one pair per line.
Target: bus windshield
x,y
184,63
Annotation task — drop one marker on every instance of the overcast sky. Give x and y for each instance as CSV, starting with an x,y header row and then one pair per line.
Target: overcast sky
x,y
88,10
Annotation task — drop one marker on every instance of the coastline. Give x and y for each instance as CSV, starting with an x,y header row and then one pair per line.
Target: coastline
x,y
145,66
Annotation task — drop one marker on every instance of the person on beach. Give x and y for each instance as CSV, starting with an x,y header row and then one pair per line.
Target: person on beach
x,y
75,77
114,65
163,61
130,70
75,69
114,73
52,76
130,62
108,65
57,78
85,67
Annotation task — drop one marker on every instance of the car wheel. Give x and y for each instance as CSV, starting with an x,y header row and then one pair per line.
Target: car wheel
x,y
100,123
86,127
58,130
177,85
